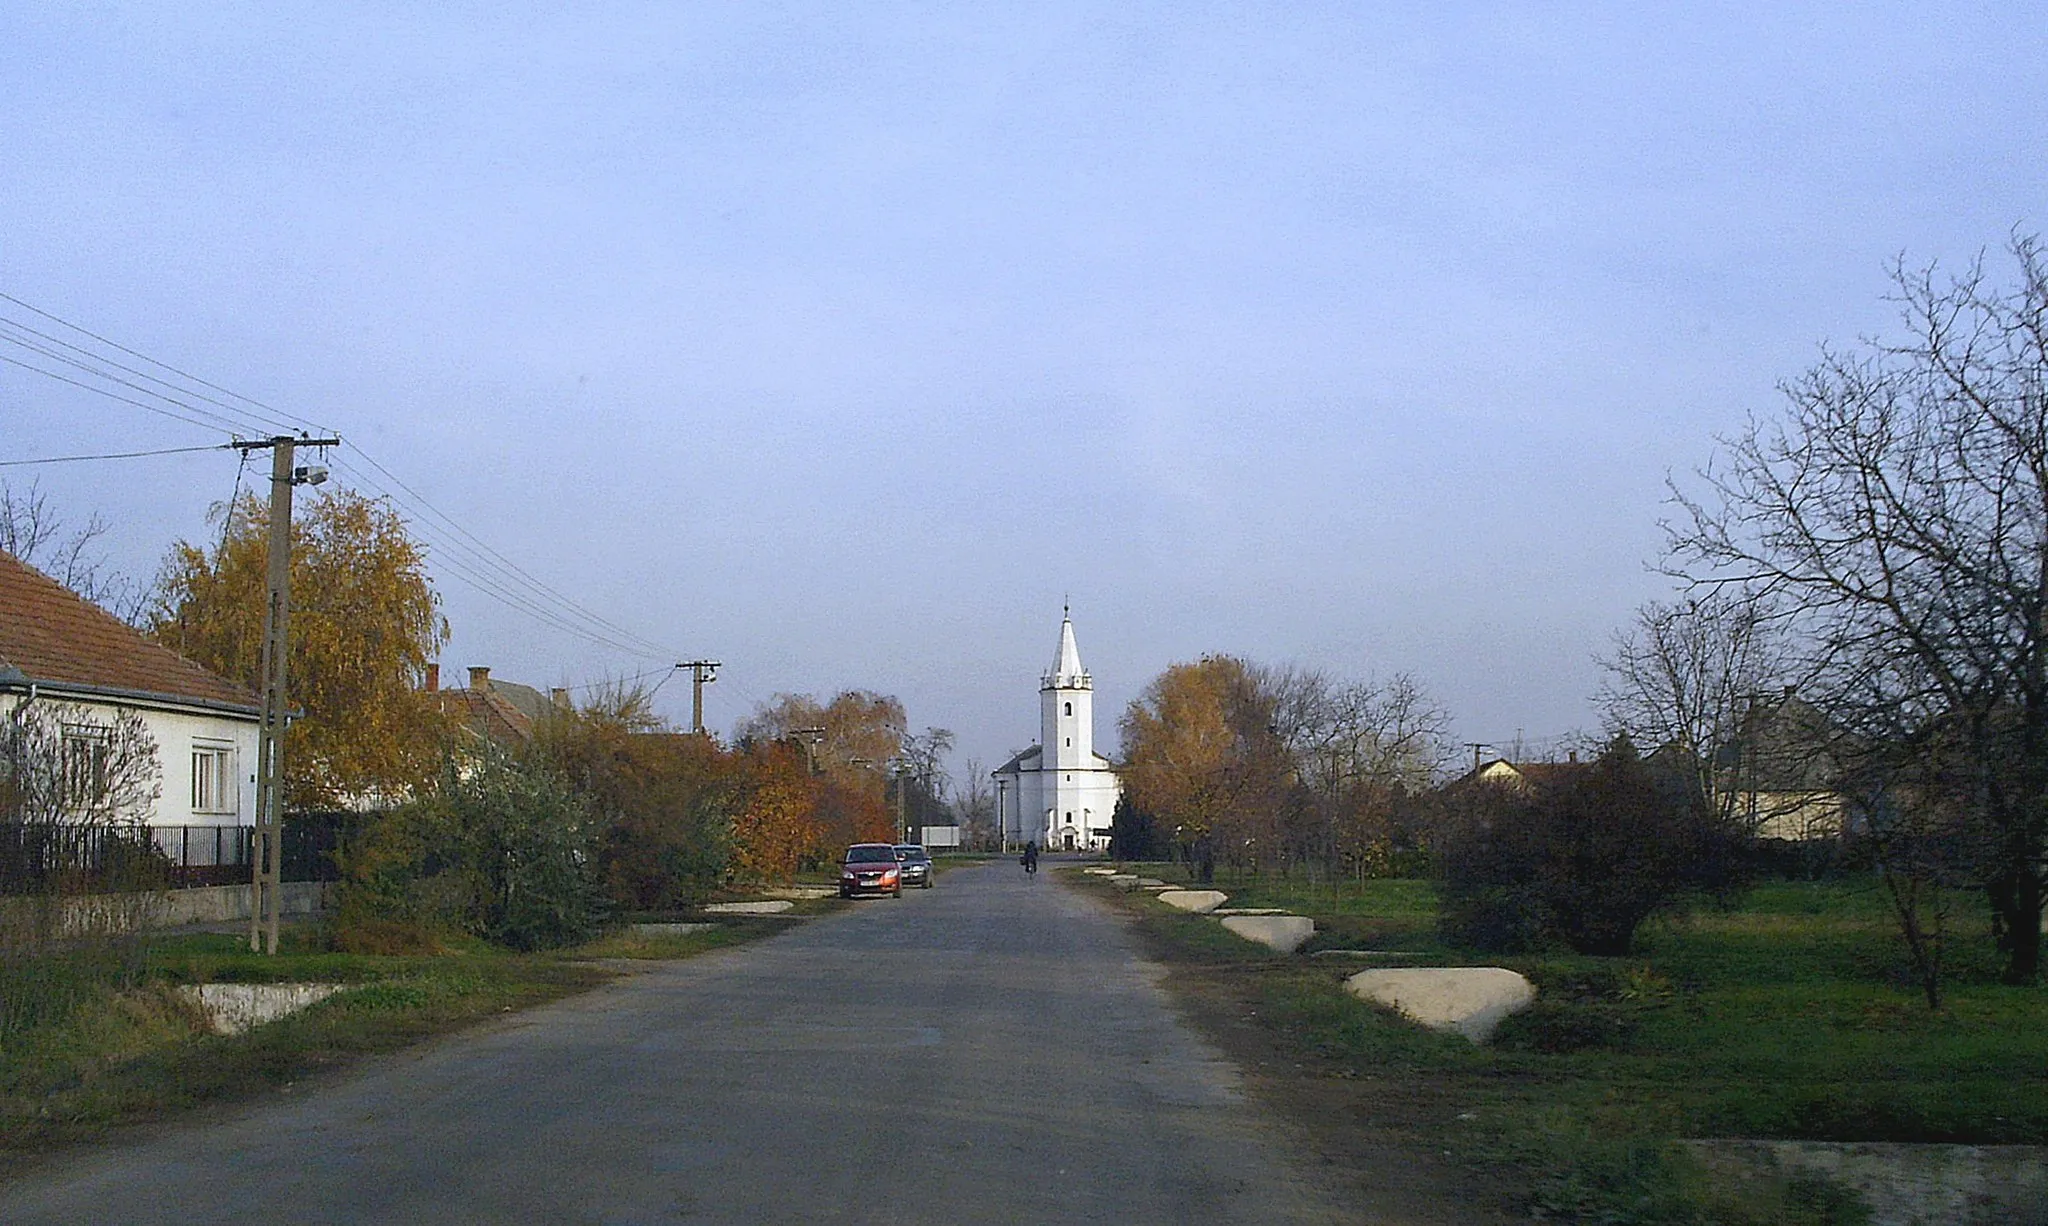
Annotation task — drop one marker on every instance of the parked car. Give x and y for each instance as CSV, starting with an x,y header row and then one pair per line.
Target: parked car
x,y
917,865
870,868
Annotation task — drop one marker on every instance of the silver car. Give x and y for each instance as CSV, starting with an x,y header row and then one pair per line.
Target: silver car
x,y
917,865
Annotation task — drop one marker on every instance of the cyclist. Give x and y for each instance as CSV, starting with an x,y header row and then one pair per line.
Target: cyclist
x,y
1030,860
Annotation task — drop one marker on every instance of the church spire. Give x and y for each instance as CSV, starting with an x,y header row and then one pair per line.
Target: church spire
x,y
1067,673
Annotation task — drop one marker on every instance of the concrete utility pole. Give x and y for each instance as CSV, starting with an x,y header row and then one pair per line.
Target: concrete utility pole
x,y
267,850
810,739
702,673
903,799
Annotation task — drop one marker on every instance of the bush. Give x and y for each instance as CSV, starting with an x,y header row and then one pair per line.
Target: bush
x,y
1579,854
502,851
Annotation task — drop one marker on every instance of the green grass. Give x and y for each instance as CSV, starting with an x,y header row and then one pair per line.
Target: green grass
x,y
1787,1015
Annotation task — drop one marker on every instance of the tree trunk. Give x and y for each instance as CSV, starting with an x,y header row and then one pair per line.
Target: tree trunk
x,y
2016,902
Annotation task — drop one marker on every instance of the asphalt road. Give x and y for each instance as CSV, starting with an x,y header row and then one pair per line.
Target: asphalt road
x,y
992,1050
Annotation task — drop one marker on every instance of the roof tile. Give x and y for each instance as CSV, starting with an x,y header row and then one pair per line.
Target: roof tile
x,y
53,635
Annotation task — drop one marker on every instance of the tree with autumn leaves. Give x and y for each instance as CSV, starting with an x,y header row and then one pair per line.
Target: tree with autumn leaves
x,y
1255,765
365,624
660,817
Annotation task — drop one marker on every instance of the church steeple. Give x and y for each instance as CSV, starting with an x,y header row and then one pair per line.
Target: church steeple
x,y
1067,673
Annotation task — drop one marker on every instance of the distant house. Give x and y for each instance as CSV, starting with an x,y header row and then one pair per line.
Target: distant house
x,y
1501,772
504,713
59,649
1782,771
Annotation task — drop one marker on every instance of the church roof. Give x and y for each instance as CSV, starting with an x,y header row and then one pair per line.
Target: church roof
x,y
1067,672
1015,765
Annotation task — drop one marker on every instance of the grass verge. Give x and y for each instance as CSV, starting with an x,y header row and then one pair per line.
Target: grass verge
x,y
1786,1016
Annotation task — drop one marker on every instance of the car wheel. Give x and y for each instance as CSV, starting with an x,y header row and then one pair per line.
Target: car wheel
x,y
927,883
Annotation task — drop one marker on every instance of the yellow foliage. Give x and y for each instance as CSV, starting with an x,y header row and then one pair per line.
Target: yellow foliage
x,y
365,623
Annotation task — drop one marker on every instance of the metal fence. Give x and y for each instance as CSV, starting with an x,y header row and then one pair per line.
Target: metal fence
x,y
41,859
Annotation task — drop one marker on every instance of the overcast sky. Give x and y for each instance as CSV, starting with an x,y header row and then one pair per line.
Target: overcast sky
x,y
842,342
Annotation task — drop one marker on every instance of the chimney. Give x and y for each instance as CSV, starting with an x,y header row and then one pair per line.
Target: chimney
x,y
479,678
433,677
560,697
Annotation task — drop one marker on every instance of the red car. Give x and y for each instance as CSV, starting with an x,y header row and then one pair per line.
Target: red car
x,y
870,868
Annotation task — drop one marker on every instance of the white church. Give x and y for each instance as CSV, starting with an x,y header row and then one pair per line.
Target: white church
x,y
1060,793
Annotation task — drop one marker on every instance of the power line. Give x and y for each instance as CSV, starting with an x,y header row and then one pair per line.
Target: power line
x,y
476,569
92,364
115,455
536,584
113,344
232,424
51,374
460,551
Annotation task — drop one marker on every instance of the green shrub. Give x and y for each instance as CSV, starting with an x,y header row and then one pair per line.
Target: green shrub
x,y
1582,854
499,850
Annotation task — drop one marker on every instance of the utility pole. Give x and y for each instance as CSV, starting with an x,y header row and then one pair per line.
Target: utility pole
x,y
810,738
267,850
903,799
702,673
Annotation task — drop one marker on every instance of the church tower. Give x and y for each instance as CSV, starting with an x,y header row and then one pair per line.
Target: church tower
x,y
1066,706
1060,793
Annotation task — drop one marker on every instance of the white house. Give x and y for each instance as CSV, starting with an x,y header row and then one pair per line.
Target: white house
x,y
1060,793
89,667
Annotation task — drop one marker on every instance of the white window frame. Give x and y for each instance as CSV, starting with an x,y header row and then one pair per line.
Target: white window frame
x,y
215,786
85,748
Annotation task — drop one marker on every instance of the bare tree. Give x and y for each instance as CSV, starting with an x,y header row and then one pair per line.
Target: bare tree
x,y
1899,512
974,807
36,532
1684,682
77,786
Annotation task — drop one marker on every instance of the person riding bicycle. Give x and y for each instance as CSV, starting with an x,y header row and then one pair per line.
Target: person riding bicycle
x,y
1030,859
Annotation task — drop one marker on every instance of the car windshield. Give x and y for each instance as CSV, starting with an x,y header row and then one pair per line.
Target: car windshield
x,y
871,855
912,853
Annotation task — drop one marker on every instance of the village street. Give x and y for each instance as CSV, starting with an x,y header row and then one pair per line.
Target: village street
x,y
989,1050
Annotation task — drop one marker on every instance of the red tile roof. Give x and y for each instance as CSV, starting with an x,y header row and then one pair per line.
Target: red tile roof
x,y
488,714
51,635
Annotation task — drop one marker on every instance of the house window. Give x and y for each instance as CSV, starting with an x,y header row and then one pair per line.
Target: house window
x,y
85,751
213,778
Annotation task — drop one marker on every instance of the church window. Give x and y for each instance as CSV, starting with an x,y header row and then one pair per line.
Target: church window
x,y
1070,742
1070,708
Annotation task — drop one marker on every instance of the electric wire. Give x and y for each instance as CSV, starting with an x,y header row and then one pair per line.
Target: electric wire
x,y
114,455
536,584
221,421
153,408
664,681
642,675
460,551
87,358
477,568
113,344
